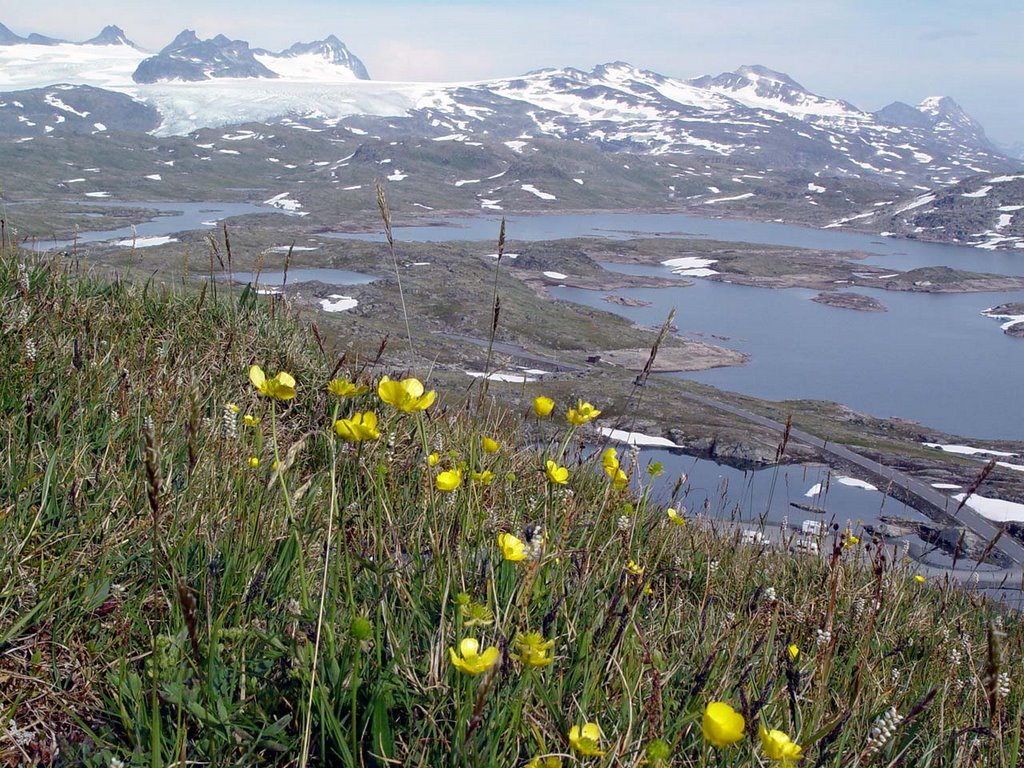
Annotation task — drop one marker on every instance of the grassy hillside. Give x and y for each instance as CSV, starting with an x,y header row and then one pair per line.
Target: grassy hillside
x,y
193,570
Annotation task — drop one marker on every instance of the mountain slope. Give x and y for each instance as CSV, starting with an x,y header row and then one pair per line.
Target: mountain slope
x,y
985,211
189,59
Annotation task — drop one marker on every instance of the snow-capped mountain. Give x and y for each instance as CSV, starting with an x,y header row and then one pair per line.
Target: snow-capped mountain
x,y
327,60
753,117
189,59
109,35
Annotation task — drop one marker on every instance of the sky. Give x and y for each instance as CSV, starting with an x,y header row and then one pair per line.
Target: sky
x,y
869,52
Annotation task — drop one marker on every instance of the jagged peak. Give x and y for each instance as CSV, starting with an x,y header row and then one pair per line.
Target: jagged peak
x,y
185,37
940,105
111,35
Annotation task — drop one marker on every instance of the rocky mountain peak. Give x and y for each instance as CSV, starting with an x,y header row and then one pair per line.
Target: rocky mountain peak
x,y
332,50
947,115
9,38
189,58
111,35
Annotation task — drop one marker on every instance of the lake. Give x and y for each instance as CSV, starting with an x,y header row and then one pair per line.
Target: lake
x,y
931,358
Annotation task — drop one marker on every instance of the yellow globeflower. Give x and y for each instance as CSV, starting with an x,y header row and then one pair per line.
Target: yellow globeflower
x,y
362,426
586,740
778,746
610,459
542,406
793,651
484,478
345,388
534,650
722,724
545,762
470,660
556,474
405,395
254,461
619,478
512,548
250,421
489,445
675,517
281,387
582,413
919,578
449,480
433,459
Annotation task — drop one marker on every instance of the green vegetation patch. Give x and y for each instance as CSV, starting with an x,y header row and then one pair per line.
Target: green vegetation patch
x,y
220,545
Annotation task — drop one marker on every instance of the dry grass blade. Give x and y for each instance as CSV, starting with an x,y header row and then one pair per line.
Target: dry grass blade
x,y
974,486
385,214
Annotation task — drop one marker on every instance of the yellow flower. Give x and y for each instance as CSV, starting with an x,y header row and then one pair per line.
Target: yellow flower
x,y
512,548
722,724
484,478
489,445
778,746
250,421
405,395
919,578
619,478
534,650
556,474
794,652
545,762
254,461
675,517
362,426
470,660
542,406
633,569
586,740
582,413
345,388
449,480
610,459
232,407
433,459
281,387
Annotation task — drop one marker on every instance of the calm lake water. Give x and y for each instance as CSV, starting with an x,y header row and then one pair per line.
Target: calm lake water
x,y
931,358
900,254
173,217
749,496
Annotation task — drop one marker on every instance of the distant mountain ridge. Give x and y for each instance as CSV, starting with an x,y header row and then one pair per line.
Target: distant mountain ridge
x,y
109,35
190,59
753,116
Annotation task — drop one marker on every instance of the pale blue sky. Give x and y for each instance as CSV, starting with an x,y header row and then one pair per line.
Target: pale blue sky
x,y
869,52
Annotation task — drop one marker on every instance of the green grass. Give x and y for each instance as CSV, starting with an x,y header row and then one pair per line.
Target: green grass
x,y
163,601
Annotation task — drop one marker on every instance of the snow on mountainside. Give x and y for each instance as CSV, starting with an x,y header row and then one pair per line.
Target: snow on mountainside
x,y
187,58
327,60
986,211
753,115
